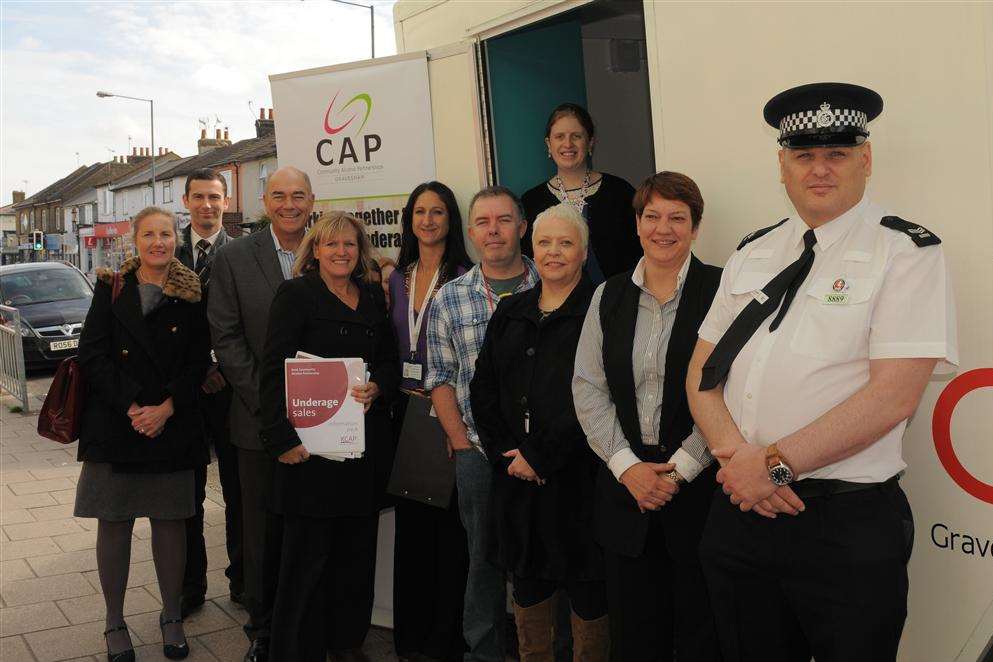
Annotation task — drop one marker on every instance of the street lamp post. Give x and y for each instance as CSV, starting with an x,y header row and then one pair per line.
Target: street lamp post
x,y
151,112
372,20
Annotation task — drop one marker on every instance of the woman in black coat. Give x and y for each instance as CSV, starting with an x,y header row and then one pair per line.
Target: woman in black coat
x,y
330,508
144,351
542,493
604,200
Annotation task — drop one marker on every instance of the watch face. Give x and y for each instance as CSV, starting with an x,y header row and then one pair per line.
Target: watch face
x,y
781,474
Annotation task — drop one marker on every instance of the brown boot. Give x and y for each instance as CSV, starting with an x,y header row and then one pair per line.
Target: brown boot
x,y
590,639
535,631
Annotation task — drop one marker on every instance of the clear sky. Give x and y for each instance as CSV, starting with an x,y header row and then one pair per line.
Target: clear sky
x,y
196,60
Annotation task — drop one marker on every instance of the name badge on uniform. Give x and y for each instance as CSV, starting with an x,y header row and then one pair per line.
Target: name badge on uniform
x,y
412,370
835,298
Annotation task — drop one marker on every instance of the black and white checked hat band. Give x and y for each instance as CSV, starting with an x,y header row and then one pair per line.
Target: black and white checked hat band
x,y
834,119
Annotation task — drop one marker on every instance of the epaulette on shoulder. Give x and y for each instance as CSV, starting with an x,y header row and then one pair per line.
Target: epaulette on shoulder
x,y
758,233
917,233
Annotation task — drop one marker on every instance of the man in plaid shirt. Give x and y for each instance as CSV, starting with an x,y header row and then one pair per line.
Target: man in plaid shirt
x,y
455,333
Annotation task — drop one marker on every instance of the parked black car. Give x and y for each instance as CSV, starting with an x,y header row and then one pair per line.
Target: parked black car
x,y
52,298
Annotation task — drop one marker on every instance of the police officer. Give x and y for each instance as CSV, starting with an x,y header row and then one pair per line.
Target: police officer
x,y
822,336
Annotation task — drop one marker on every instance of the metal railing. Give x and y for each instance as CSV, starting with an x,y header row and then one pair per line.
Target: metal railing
x,y
12,376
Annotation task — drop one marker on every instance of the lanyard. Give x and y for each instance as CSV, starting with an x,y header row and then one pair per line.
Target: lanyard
x,y
414,328
489,293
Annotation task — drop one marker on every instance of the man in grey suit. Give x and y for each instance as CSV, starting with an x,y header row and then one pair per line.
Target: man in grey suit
x,y
244,277
206,198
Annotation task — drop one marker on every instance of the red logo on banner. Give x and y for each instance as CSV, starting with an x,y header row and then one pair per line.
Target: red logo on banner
x,y
941,430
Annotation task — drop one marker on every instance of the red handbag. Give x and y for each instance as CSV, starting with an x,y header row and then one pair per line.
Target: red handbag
x,y
60,416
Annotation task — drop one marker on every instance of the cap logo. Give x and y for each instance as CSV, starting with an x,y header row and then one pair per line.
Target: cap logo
x,y
825,117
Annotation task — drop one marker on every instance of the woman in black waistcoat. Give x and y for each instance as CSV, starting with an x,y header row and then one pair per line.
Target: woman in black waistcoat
x,y
144,351
330,508
543,470
604,200
656,478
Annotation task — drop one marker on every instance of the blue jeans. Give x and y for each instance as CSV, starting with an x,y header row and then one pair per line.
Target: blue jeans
x,y
486,587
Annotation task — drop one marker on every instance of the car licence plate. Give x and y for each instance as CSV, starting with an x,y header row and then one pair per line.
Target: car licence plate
x,y
59,345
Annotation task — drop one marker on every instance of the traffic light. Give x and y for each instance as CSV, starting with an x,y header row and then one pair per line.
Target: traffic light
x,y
38,239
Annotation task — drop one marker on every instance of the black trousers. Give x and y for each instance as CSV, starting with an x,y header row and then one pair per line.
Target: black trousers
x,y
829,583
262,540
587,598
658,603
327,579
430,562
215,413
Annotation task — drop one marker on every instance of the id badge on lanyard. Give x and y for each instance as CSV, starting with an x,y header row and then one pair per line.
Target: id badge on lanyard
x,y
412,369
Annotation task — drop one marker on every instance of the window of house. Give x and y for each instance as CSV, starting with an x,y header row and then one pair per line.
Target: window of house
x,y
167,191
108,201
263,176
227,180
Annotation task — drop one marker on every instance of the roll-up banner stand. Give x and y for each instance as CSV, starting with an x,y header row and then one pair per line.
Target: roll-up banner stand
x,y
362,132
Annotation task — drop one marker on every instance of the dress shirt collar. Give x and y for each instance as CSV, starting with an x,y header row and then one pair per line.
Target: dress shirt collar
x,y
638,275
275,240
831,231
195,237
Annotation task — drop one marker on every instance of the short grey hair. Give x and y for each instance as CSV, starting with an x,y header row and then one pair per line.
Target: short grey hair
x,y
565,212
156,211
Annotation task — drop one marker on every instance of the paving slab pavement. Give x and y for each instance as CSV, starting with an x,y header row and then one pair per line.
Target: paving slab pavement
x,y
51,607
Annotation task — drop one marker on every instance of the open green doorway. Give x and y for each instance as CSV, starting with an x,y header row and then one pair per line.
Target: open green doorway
x,y
595,56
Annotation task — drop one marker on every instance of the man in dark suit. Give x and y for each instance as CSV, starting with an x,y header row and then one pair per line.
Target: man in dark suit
x,y
206,198
244,279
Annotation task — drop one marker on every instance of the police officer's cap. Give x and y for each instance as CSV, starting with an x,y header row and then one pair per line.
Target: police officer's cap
x,y
823,115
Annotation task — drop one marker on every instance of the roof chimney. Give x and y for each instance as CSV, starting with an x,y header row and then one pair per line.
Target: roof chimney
x,y
217,134
18,196
203,134
264,127
225,133
134,151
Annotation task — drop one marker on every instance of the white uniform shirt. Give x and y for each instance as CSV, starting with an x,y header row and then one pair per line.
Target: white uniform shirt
x,y
871,294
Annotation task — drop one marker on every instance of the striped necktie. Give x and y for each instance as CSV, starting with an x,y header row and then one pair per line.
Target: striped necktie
x,y
202,247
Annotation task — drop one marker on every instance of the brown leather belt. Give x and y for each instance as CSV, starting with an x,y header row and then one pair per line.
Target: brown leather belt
x,y
824,487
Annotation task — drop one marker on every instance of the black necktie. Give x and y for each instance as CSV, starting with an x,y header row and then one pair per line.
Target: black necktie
x,y
202,247
782,288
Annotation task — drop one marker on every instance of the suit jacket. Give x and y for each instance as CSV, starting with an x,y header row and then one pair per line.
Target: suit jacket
x,y
307,317
187,253
128,357
618,525
215,406
244,277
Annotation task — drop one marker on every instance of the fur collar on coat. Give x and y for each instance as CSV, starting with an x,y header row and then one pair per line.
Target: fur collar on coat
x,y
180,282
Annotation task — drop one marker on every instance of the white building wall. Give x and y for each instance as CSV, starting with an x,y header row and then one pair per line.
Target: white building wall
x,y
251,186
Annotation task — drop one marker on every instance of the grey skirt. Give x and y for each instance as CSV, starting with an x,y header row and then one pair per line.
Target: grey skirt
x,y
118,497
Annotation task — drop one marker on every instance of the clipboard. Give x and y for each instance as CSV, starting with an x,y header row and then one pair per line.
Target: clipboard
x,y
422,470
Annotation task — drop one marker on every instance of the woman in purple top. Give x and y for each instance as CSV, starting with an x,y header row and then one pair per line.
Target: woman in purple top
x,y
430,554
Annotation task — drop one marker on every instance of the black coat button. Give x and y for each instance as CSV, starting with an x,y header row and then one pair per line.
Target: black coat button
x,y
342,331
529,351
370,332
524,401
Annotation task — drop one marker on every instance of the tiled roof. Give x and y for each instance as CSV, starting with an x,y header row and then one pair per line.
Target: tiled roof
x,y
144,174
72,184
250,149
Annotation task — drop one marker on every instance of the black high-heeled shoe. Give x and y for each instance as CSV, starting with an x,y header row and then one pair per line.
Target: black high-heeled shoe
x,y
123,656
172,651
